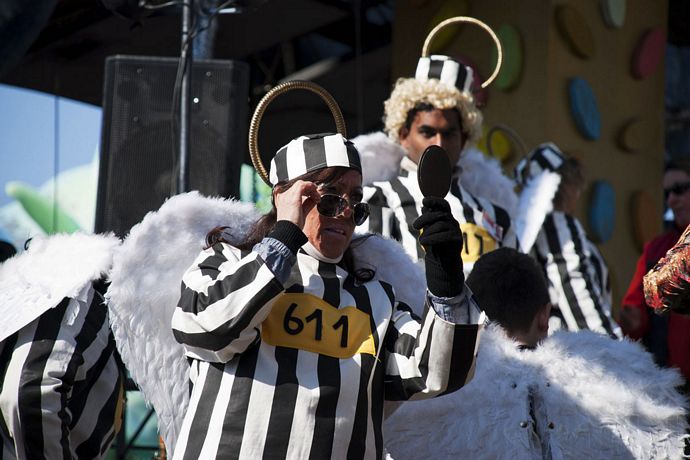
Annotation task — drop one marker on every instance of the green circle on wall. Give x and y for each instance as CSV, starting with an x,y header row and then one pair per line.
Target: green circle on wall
x,y
511,70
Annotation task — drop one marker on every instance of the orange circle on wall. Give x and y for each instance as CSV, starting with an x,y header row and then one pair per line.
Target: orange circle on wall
x,y
575,30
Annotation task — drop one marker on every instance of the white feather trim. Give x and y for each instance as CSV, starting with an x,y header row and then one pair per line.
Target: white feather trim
x,y
393,265
483,176
145,288
380,157
595,398
536,201
54,267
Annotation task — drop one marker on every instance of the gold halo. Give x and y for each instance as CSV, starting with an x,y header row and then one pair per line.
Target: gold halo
x,y
510,132
475,21
277,90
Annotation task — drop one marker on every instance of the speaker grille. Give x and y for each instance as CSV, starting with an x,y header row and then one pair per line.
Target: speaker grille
x,y
138,148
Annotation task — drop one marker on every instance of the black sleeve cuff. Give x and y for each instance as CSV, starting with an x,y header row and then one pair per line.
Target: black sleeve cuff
x,y
289,234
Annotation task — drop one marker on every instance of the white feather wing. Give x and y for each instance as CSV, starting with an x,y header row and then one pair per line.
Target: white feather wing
x,y
145,288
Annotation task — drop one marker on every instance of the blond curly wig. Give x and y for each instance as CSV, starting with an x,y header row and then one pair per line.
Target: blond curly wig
x,y
409,92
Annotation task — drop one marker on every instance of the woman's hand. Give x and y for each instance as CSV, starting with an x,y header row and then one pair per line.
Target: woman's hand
x,y
294,203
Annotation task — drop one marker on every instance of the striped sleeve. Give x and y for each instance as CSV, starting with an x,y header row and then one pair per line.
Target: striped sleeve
x,y
427,357
563,250
225,298
61,391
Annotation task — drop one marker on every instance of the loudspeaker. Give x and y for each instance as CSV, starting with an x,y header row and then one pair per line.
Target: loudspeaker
x,y
139,157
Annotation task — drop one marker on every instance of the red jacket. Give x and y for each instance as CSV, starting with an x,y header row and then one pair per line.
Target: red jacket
x,y
667,337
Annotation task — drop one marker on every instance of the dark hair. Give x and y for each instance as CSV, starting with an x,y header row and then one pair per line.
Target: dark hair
x,y
7,250
678,164
572,178
510,287
265,224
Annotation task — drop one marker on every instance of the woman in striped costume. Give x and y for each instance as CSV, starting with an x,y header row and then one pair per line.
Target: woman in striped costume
x,y
293,348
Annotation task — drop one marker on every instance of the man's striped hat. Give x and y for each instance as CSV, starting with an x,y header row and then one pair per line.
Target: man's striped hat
x,y
446,69
546,157
310,153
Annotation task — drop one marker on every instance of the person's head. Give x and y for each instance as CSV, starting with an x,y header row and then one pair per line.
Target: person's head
x,y
7,250
511,288
547,157
571,186
434,108
676,183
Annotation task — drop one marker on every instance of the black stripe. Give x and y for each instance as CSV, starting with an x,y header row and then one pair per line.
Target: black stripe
x,y
328,372
6,351
202,416
377,202
542,161
210,265
409,207
29,401
92,447
283,406
220,337
377,398
237,411
192,301
579,250
353,155
435,68
314,153
554,245
464,340
357,446
281,164
502,220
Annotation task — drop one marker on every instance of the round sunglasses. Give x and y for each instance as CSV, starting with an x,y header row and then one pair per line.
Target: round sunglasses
x,y
333,205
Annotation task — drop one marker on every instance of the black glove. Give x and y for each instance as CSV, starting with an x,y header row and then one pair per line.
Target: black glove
x,y
442,241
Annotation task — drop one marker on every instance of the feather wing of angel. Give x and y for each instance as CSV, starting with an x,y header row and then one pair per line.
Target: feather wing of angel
x,y
144,290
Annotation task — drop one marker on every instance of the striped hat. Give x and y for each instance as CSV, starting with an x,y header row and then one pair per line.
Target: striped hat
x,y
546,157
310,153
446,69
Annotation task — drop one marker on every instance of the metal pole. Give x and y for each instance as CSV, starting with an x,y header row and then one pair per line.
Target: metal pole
x,y
187,56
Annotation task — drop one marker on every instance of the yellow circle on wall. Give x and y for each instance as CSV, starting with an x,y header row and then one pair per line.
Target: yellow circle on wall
x,y
575,30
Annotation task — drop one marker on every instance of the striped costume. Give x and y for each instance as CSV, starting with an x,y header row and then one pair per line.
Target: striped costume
x,y
577,274
395,205
301,369
61,387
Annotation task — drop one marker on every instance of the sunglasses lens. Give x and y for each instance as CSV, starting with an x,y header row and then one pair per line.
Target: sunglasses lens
x,y
361,212
331,205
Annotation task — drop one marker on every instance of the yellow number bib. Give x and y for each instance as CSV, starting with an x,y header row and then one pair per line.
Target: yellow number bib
x,y
306,322
476,241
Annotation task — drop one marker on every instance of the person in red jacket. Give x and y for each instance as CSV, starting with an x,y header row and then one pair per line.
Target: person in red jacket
x,y
668,336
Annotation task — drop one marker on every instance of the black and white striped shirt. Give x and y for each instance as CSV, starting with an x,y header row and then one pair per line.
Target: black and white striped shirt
x,y
397,203
61,389
577,275
301,369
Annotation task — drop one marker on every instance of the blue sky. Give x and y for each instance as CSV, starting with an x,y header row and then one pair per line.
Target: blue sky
x,y
41,134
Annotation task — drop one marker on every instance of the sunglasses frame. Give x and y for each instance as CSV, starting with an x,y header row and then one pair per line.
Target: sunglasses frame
x,y
343,204
677,189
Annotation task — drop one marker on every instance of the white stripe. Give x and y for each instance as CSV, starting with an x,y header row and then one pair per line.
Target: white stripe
x,y
296,163
272,173
260,401
552,157
449,73
308,392
336,151
194,399
422,73
215,424
350,370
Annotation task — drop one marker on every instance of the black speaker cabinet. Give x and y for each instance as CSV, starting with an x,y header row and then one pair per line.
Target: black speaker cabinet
x,y
139,155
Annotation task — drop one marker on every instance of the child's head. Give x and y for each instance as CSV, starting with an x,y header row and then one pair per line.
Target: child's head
x,y
511,288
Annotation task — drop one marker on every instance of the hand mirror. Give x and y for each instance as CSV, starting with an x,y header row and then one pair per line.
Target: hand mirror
x,y
434,172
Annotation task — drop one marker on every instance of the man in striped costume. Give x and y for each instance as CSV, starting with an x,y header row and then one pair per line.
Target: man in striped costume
x,y
293,347
61,387
577,272
435,108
